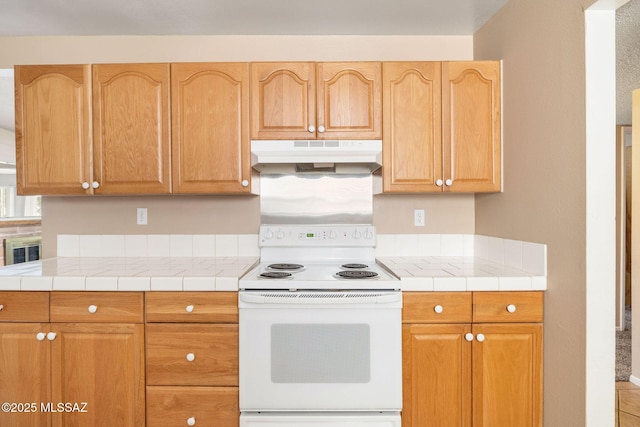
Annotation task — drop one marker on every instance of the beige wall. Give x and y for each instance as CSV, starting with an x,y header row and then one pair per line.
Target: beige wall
x,y
235,214
542,45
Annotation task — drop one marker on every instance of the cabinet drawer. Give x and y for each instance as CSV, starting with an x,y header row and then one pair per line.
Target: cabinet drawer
x,y
24,306
214,307
104,307
192,354
507,307
208,406
436,307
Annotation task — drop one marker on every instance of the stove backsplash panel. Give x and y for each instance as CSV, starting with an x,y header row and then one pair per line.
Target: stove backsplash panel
x,y
316,199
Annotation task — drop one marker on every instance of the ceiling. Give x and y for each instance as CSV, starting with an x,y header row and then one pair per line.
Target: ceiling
x,y
244,17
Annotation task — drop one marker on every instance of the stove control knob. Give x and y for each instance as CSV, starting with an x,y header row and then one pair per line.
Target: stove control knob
x,y
368,235
268,234
357,234
332,234
280,234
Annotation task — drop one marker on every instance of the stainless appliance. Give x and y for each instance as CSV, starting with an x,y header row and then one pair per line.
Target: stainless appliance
x,y
320,331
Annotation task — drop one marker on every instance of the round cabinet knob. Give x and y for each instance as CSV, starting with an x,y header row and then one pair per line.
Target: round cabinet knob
x,y
511,308
95,184
191,421
448,182
85,185
468,336
191,357
438,309
439,183
321,129
189,309
245,183
51,336
312,128
40,336
92,308
1,307
480,337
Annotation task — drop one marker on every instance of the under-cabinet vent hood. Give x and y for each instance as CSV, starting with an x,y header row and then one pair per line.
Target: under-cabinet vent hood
x,y
316,156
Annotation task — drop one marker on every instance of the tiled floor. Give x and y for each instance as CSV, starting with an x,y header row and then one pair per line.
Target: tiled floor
x,y
627,405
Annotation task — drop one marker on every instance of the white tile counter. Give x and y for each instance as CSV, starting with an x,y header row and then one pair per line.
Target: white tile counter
x,y
451,274
127,274
463,262
424,262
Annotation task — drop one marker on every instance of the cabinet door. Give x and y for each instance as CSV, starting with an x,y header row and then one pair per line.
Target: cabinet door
x,y
507,375
349,100
283,100
53,133
436,369
131,128
210,127
24,373
102,365
412,138
471,126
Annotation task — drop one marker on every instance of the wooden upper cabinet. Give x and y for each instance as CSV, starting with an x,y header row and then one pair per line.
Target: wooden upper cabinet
x,y
349,100
305,100
210,142
53,132
283,100
131,128
412,139
471,126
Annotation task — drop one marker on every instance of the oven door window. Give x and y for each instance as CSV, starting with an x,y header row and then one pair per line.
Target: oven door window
x,y
320,353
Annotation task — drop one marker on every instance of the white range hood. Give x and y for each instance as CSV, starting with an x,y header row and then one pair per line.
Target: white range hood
x,y
316,156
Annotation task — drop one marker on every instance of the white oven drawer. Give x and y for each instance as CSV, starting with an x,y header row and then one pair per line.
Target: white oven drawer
x,y
321,356
320,420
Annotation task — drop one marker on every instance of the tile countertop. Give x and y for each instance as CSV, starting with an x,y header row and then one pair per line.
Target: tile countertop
x,y
421,273
460,273
127,274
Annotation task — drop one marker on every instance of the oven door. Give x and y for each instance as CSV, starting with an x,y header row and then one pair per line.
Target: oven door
x,y
320,351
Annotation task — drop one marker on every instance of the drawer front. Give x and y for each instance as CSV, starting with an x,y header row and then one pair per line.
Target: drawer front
x,y
104,307
212,307
192,354
206,406
507,307
436,307
24,306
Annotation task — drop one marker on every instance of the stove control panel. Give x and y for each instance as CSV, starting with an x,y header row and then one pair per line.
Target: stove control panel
x,y
317,235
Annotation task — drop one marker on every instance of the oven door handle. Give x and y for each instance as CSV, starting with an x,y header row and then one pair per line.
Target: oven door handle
x,y
389,298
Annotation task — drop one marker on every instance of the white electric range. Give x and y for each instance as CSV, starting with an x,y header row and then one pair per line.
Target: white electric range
x,y
320,331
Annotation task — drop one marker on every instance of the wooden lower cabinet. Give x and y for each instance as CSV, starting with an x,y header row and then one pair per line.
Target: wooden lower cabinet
x,y
507,375
208,406
102,365
25,374
192,368
472,374
436,376
99,367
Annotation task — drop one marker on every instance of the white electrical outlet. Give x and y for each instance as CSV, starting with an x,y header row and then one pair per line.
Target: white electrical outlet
x,y
418,217
141,216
